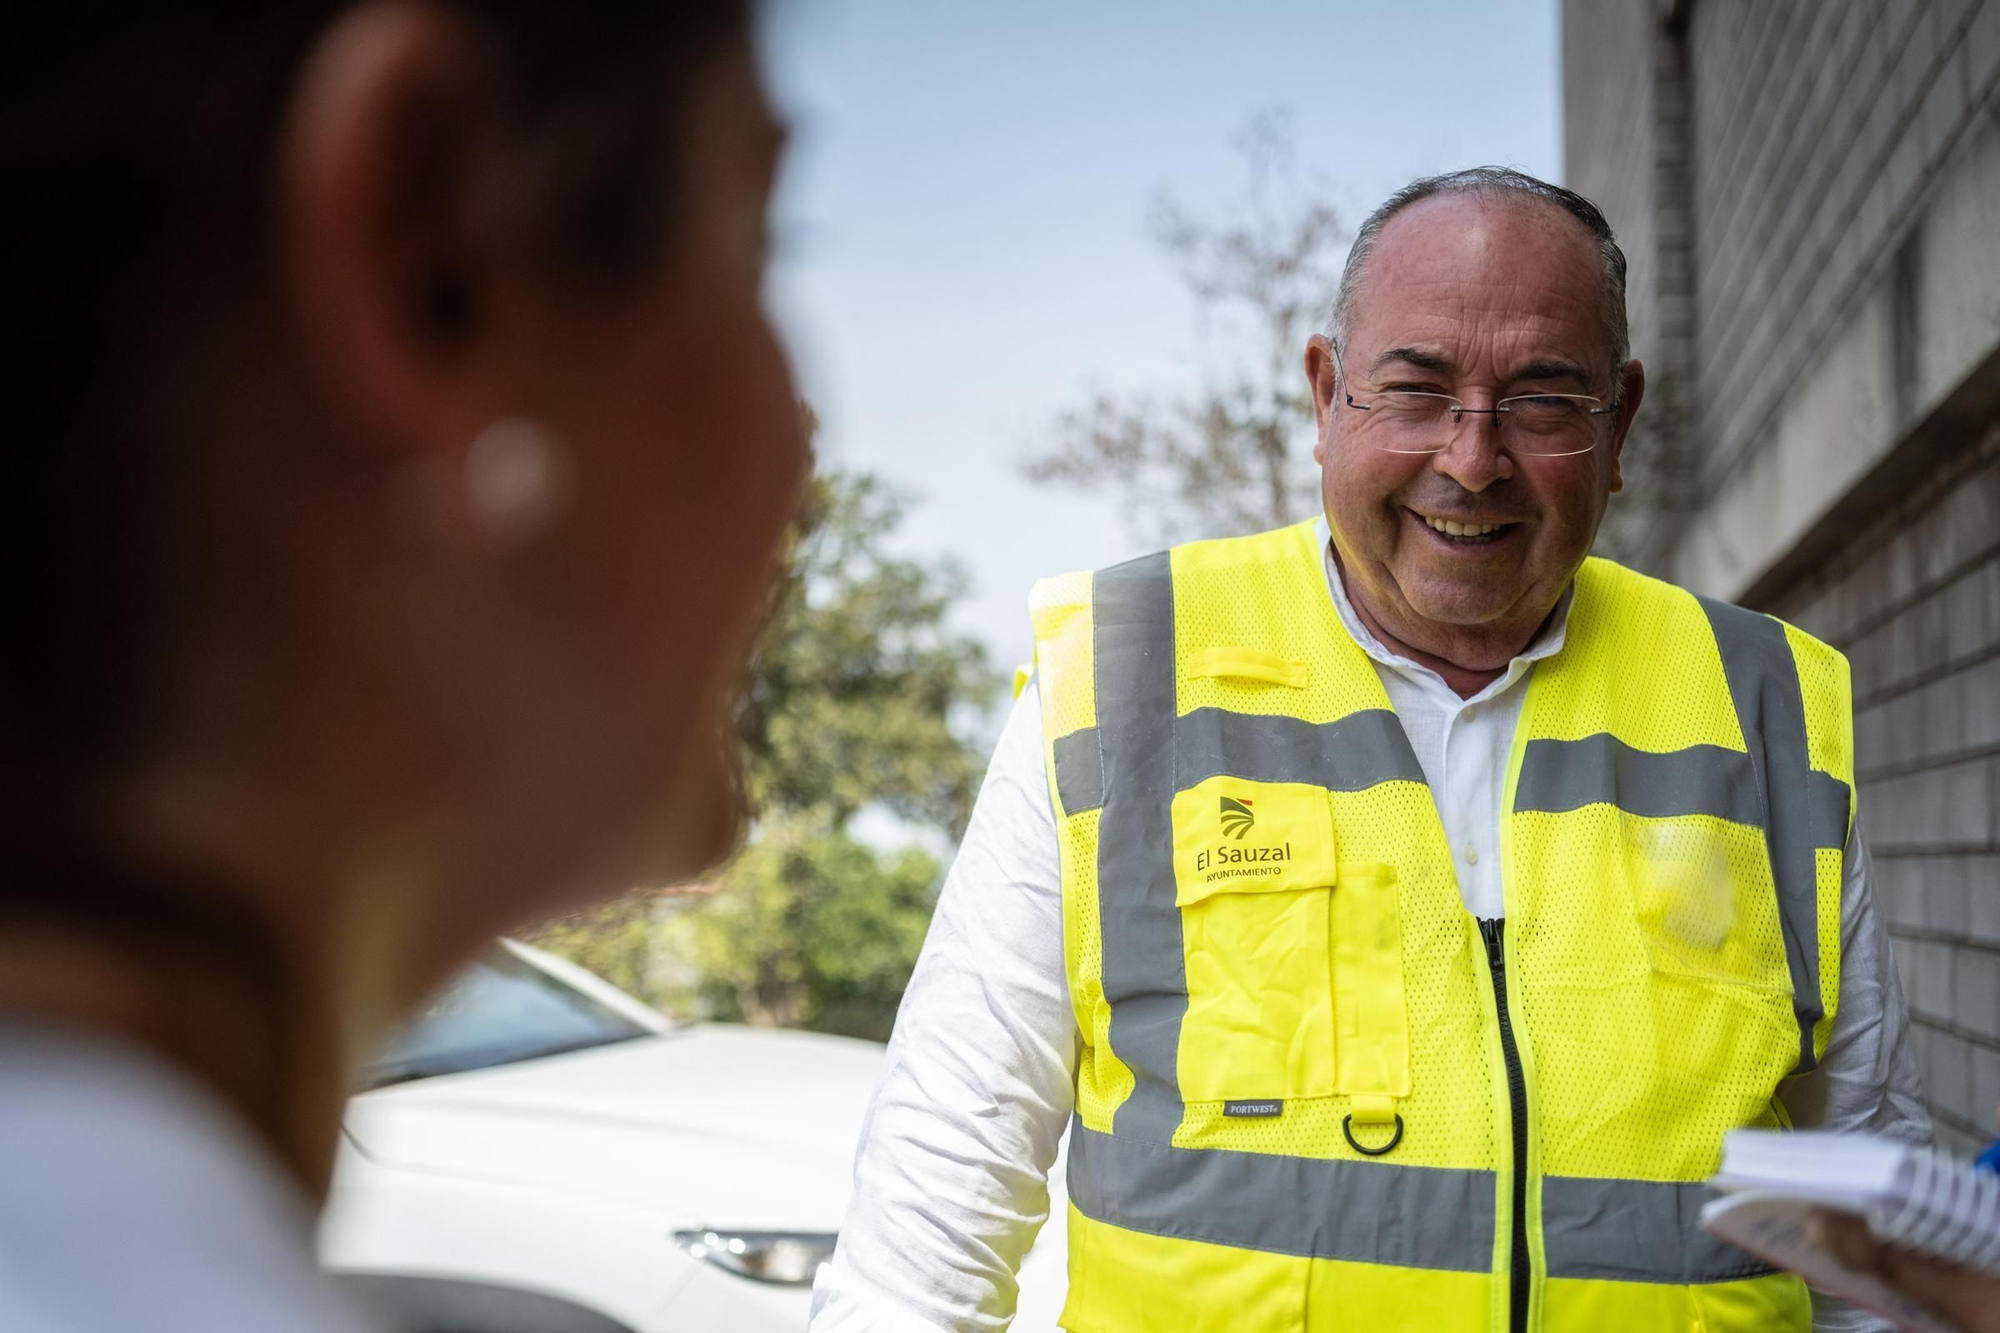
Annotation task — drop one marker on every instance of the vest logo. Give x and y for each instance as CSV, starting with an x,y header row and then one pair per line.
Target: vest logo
x,y
1236,817
1238,833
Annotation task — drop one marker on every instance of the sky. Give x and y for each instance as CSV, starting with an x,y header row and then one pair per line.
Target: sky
x,y
960,227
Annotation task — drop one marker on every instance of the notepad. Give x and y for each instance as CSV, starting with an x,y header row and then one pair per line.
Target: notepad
x,y
1922,1200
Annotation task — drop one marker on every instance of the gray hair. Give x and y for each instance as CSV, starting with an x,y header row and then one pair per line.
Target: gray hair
x,y
1493,183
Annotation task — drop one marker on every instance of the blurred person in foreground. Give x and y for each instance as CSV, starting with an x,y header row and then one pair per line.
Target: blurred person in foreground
x,y
1398,908
398,459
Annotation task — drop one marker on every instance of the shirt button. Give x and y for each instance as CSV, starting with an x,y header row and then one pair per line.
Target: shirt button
x,y
1471,855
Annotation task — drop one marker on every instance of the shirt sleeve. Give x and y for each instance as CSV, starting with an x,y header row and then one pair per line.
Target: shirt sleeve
x,y
951,1175
1867,1080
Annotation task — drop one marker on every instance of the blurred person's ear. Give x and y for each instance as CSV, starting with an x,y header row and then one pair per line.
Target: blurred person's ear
x,y
389,248
586,423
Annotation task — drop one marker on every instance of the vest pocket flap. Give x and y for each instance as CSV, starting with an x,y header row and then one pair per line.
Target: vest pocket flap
x,y
1234,836
1248,664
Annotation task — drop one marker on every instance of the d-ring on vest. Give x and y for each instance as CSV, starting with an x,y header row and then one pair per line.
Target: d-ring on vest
x,y
1274,976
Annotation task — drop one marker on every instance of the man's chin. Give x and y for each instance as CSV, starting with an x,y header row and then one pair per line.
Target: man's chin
x,y
1458,605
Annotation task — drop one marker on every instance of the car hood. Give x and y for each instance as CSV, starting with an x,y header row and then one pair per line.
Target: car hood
x,y
717,1125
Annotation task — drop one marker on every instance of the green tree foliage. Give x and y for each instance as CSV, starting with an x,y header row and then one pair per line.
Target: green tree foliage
x,y
860,698
861,690
812,928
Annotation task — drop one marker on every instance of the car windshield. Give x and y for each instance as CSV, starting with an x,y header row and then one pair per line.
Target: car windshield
x,y
499,1011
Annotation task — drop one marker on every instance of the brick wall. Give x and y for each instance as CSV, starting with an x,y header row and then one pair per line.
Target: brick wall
x,y
1626,139
1818,129
1805,188
1915,605
1758,160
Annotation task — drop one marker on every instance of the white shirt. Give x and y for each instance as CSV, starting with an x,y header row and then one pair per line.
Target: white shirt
x,y
131,1200
950,1177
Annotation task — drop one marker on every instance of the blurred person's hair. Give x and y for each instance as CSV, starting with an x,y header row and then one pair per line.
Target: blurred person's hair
x,y
137,142
1491,183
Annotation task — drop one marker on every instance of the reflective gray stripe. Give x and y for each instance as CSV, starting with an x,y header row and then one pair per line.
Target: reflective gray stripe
x,y
1130,765
1636,1231
1764,683
1558,776
1351,754
1364,1212
1079,772
1409,1216
1827,802
1144,972
1354,753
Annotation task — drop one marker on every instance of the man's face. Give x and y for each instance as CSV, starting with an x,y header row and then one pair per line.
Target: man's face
x,y
1481,299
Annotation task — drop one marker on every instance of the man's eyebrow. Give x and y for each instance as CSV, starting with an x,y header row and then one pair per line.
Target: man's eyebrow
x,y
1411,356
1551,370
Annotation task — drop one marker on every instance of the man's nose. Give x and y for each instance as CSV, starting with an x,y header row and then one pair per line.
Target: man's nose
x,y
1474,457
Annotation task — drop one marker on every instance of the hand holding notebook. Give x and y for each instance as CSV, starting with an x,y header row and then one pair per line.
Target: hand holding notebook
x,y
1922,1201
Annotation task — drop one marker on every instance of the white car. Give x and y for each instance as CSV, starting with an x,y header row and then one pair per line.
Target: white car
x,y
544,1154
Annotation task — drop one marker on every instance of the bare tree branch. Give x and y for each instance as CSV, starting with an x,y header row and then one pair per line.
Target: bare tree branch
x,y
1234,456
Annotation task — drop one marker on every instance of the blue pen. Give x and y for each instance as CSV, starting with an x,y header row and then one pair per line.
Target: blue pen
x,y
1989,1161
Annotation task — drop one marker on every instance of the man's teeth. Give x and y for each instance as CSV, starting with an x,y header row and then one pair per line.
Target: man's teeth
x,y
1451,529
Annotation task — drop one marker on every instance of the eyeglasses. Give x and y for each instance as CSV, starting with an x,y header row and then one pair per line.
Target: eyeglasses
x,y
1538,425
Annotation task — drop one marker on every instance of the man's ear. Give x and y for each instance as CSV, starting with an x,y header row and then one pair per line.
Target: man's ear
x,y
1323,382
387,148
1631,392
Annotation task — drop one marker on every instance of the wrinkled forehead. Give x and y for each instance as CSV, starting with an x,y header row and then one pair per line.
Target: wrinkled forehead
x,y
1483,283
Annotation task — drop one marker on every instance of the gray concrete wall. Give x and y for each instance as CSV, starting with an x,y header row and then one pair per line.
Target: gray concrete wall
x,y
1825,295
1819,129
1626,142
1915,605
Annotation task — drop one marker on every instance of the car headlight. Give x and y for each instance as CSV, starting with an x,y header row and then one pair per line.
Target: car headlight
x,y
786,1258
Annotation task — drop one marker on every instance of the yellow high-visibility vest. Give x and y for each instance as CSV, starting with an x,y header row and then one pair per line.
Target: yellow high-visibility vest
x,y
1314,1092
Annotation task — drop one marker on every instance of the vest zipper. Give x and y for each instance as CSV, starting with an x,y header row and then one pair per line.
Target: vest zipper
x,y
1520,1268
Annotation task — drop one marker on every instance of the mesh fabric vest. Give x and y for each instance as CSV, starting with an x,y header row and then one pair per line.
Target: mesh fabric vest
x,y
1313,1093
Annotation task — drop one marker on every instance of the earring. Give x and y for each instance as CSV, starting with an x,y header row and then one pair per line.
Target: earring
x,y
512,479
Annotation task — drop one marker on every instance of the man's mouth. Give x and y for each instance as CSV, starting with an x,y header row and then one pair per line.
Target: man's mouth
x,y
1463,532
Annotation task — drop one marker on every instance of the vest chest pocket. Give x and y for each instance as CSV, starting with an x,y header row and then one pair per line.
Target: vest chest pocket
x,y
1254,873
1704,902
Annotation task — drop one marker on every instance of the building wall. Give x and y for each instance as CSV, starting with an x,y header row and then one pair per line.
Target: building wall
x,y
1915,605
1626,117
1818,129
1824,292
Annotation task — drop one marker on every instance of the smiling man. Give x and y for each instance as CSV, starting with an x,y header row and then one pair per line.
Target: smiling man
x,y
1397,908
1490,402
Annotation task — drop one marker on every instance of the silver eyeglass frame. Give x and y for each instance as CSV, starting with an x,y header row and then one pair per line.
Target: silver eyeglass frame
x,y
1456,406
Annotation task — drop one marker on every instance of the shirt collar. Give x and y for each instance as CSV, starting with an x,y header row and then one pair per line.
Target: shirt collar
x,y
1547,643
